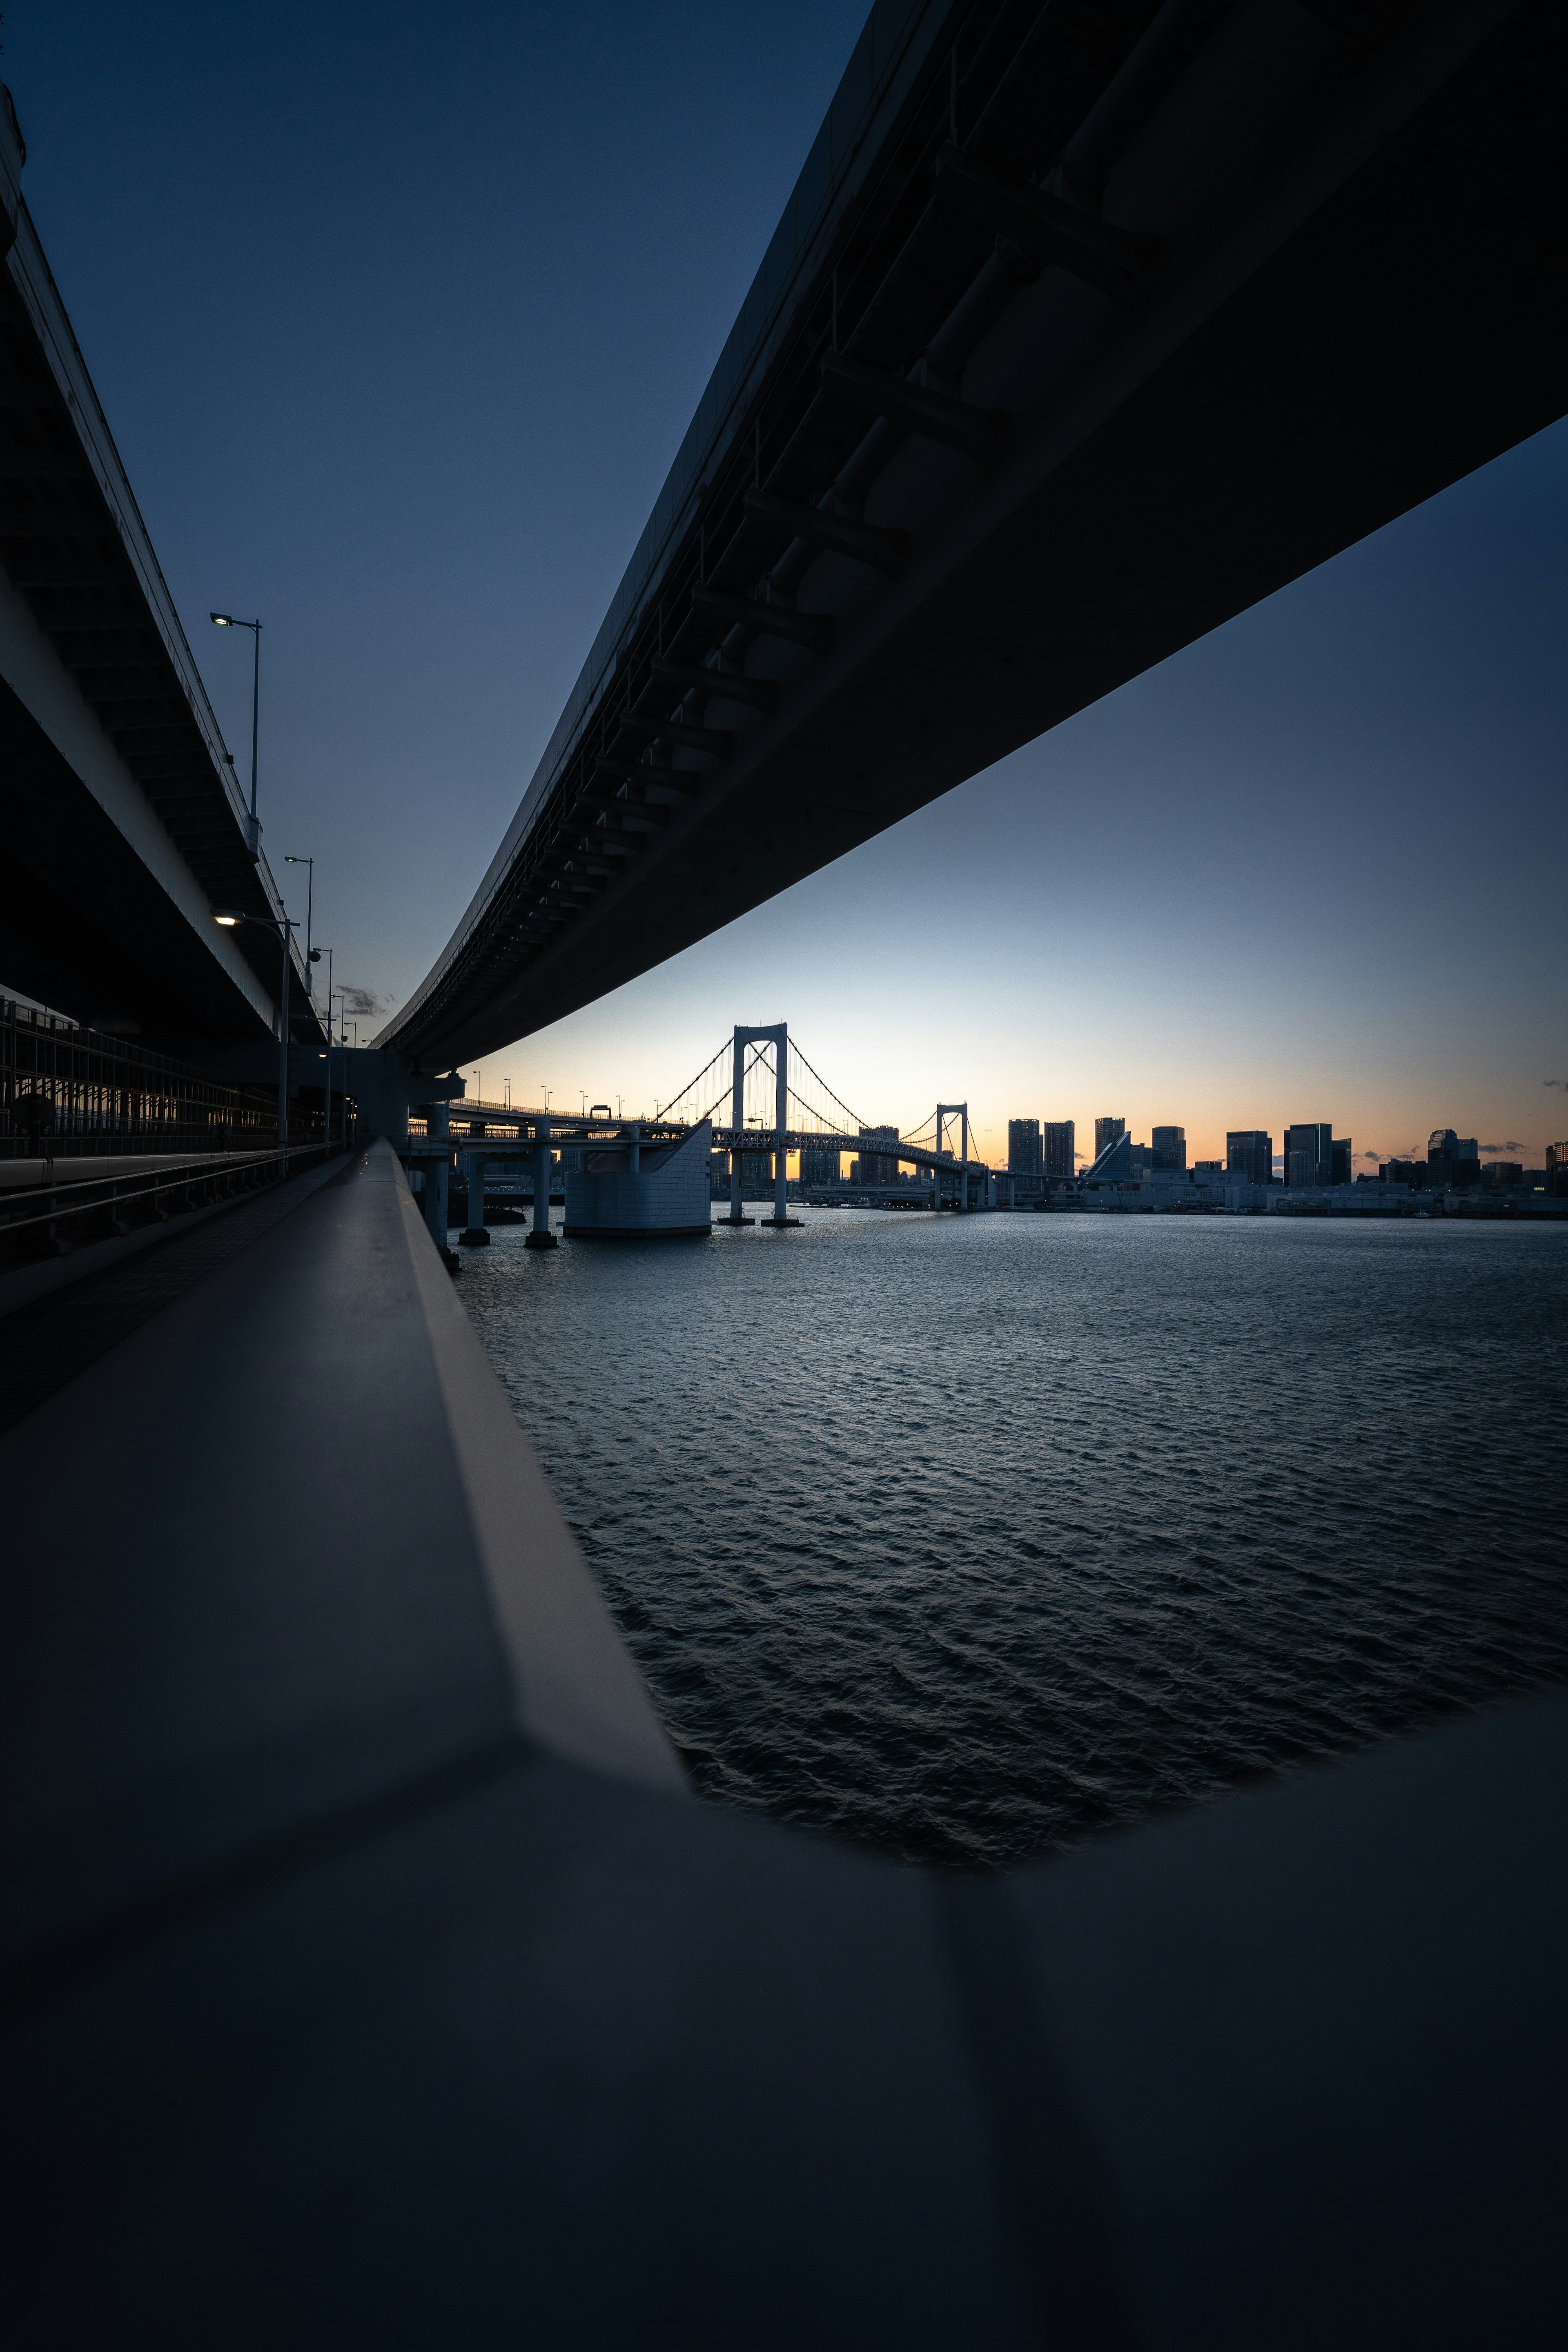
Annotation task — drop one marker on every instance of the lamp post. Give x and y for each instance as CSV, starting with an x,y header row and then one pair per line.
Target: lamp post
x,y
328,1130
309,865
227,621
229,917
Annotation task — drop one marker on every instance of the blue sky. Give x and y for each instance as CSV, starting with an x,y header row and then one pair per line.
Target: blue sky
x,y
398,317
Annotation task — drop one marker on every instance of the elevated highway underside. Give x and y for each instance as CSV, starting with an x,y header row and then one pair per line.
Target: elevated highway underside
x,y
1106,342
121,825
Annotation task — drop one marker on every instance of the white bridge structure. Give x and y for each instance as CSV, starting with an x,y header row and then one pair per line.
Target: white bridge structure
x,y
637,1177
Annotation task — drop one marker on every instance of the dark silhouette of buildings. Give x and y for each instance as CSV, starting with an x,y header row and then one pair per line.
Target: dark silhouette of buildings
x,y
1309,1153
1249,1154
1060,1147
1024,1147
876,1167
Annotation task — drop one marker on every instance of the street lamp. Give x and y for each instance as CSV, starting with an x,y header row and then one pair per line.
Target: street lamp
x,y
328,1130
310,863
229,917
227,621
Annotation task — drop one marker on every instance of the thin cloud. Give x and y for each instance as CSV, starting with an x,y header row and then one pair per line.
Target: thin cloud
x,y
1500,1150
361,1003
1556,1082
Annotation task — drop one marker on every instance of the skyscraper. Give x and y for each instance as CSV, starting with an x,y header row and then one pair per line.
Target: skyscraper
x,y
1309,1153
1105,1131
1060,1147
1249,1154
819,1167
1023,1146
1442,1150
1169,1146
1341,1158
876,1168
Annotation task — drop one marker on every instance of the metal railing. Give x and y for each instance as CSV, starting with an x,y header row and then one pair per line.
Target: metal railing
x,y
66,1091
47,1220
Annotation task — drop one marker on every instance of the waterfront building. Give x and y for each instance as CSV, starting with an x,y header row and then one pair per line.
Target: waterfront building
x,y
1114,1163
1060,1142
1310,1154
1557,1168
1504,1174
1341,1161
1107,1130
1249,1155
876,1167
819,1167
1404,1172
1442,1150
1024,1147
1168,1148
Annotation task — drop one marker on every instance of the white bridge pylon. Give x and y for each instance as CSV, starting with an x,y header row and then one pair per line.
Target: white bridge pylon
x,y
808,1129
777,1036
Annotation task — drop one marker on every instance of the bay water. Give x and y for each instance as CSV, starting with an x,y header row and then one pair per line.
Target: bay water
x,y
968,1537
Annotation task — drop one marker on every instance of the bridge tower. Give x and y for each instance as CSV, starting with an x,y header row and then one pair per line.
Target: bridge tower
x,y
945,1111
778,1037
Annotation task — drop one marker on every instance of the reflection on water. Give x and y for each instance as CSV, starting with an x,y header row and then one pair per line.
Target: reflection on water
x,y
967,1537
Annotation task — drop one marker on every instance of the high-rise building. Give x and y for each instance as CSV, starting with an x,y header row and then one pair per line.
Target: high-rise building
x,y
1169,1147
1249,1154
1105,1131
1342,1159
1557,1168
1441,1153
876,1167
1114,1163
1024,1147
819,1167
1309,1153
1060,1142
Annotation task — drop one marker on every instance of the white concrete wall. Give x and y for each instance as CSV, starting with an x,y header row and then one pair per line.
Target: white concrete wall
x,y
668,1192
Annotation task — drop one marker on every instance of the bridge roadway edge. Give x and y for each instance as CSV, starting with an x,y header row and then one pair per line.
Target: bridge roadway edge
x,y
335,2011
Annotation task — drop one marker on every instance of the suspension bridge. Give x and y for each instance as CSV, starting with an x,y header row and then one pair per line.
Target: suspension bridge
x,y
758,1097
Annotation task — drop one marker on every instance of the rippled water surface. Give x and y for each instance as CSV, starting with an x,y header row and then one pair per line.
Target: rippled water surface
x,y
967,1537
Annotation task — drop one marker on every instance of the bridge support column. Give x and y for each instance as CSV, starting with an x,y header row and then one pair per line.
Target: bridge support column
x,y
475,1233
738,1123
781,1216
438,1172
541,1238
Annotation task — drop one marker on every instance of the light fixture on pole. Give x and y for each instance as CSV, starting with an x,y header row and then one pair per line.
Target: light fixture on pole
x,y
227,621
229,917
309,865
328,1129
